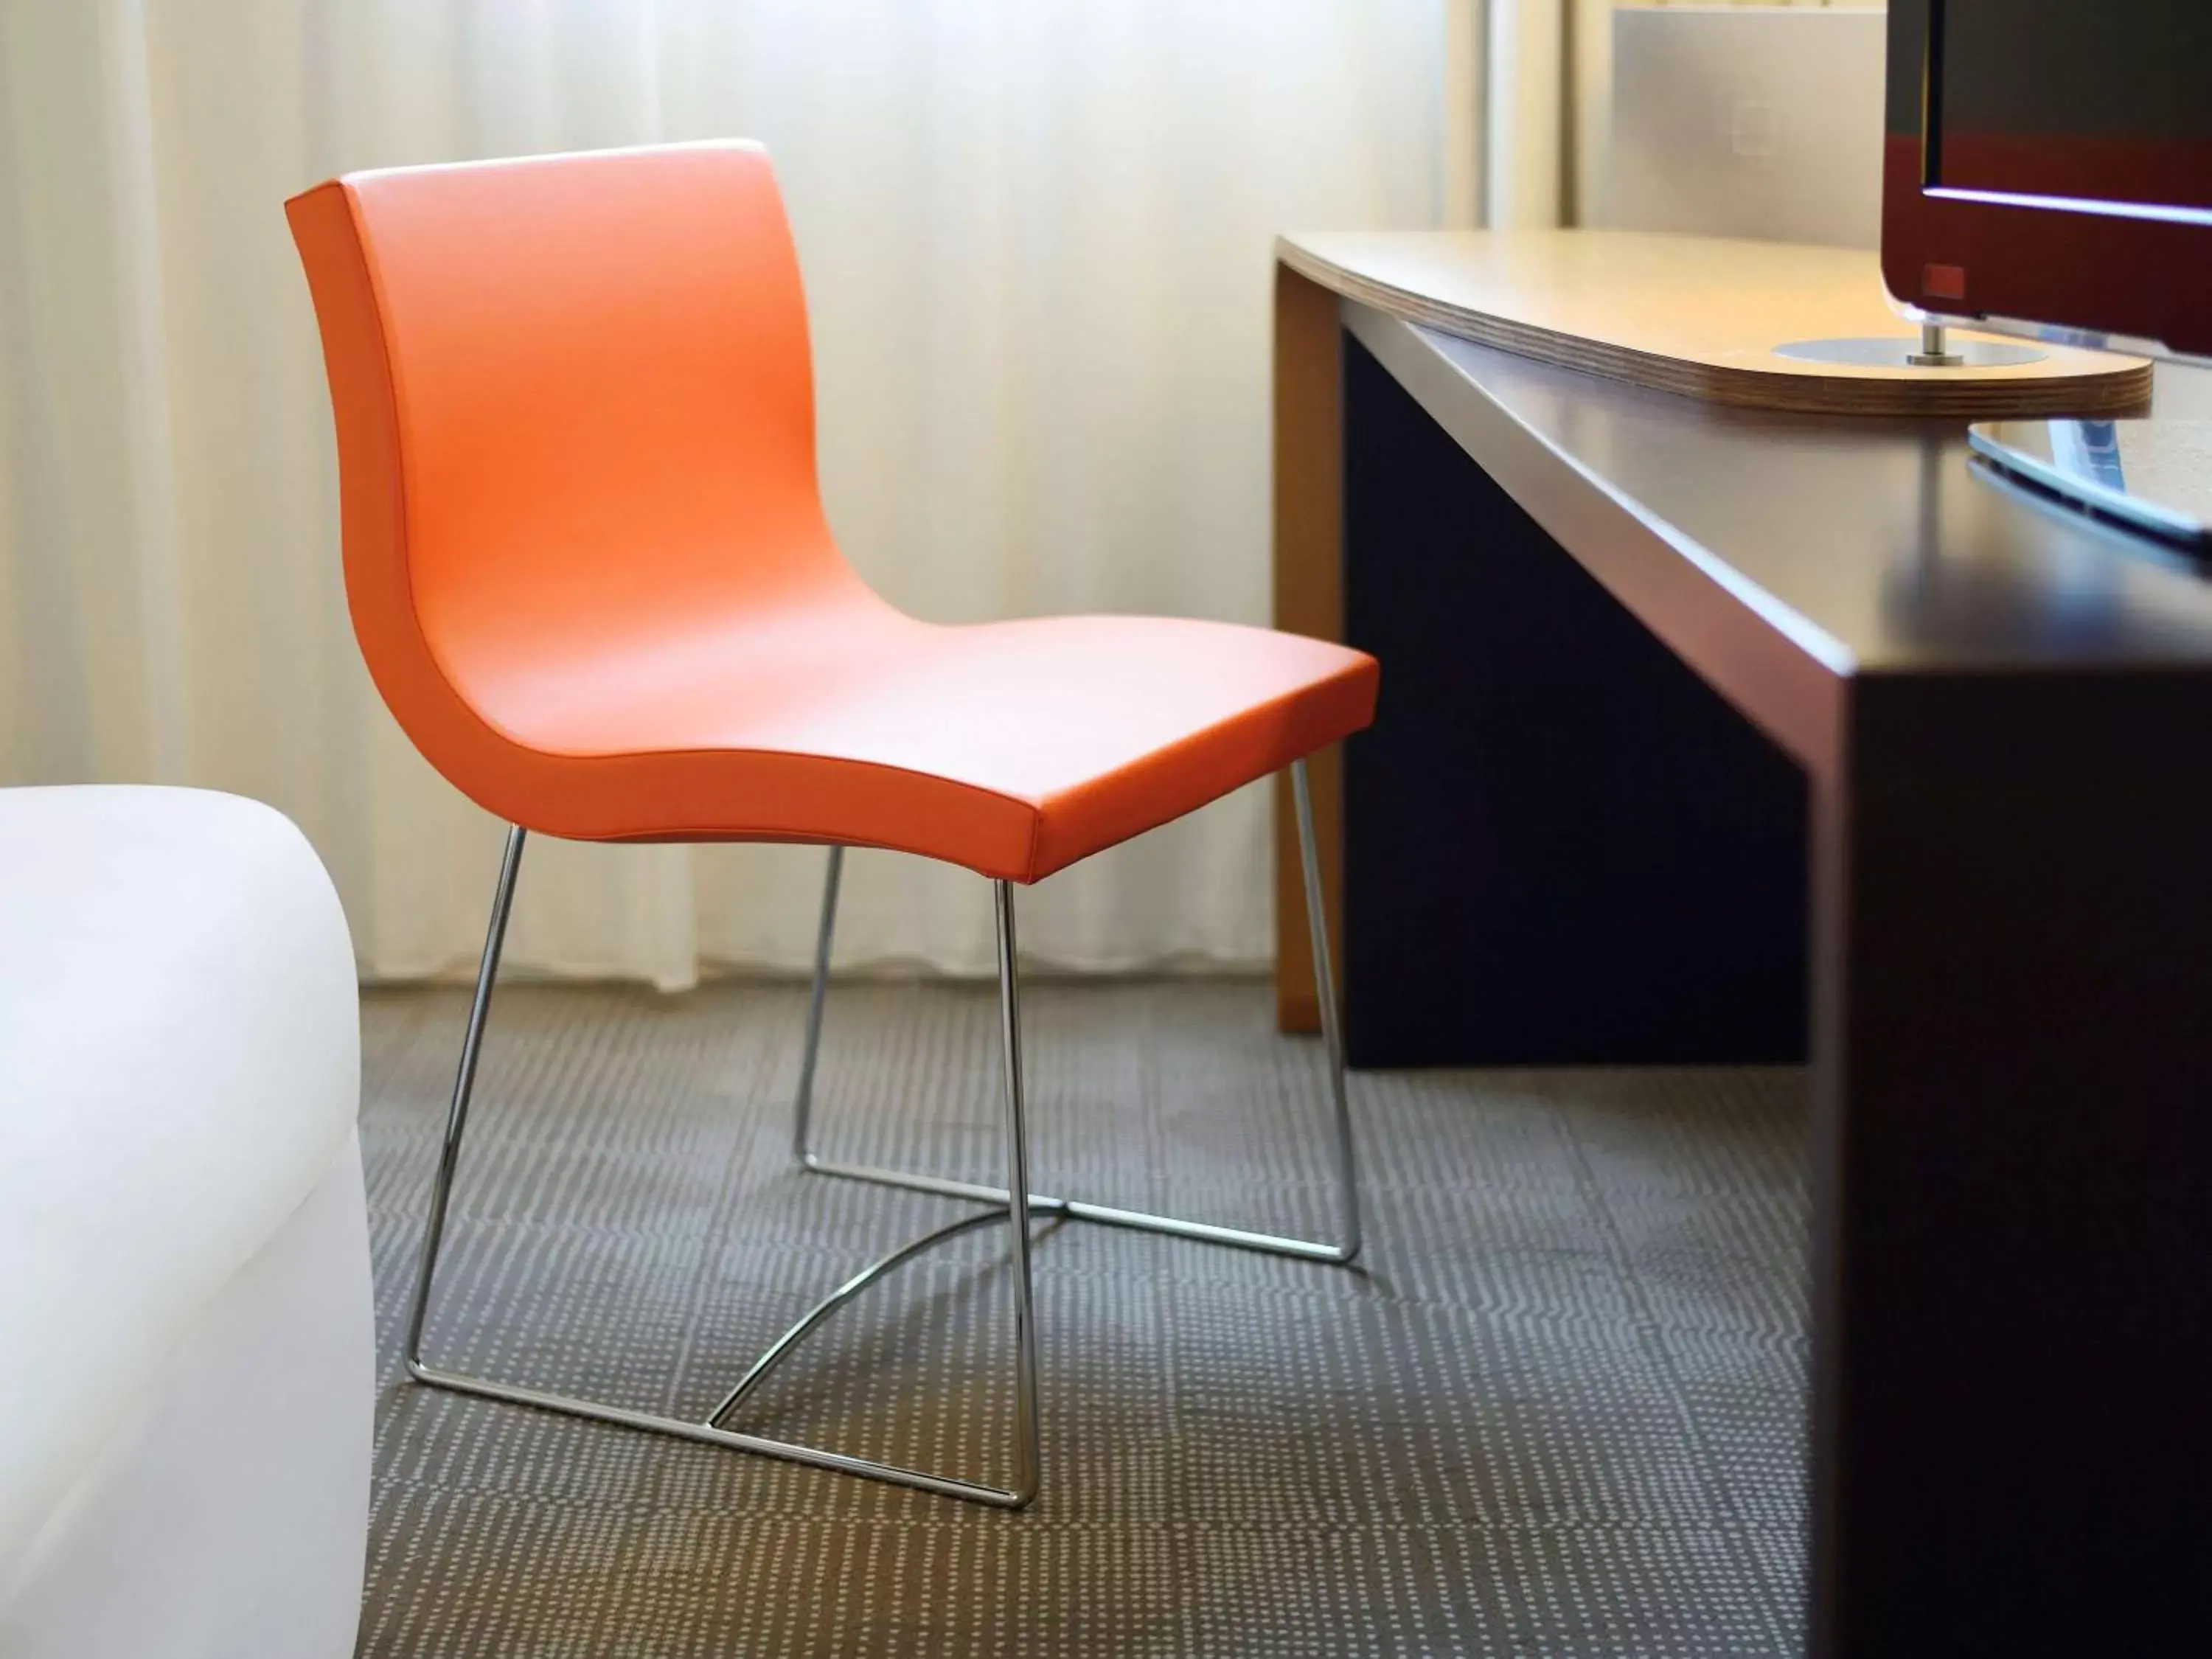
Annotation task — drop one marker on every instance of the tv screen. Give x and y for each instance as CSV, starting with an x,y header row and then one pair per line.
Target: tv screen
x,y
2049,163
2107,101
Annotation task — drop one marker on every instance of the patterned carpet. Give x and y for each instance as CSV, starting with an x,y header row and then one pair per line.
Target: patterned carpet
x,y
1557,1412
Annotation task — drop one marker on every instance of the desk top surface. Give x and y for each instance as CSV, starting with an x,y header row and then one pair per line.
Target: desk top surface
x,y
1700,316
1871,545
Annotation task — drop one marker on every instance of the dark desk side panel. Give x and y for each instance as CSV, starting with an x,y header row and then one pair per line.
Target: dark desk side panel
x,y
2013,1301
1562,845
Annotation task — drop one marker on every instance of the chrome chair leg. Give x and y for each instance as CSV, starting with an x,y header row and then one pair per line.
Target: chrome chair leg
x,y
1343,1252
1331,1030
464,1083
709,1430
824,932
1027,1461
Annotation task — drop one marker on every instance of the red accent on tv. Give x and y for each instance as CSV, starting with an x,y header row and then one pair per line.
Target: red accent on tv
x,y
2149,278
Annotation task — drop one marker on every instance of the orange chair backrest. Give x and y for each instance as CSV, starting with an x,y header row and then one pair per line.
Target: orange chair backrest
x,y
575,417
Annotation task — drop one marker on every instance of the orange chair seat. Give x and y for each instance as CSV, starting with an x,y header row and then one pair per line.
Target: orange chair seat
x,y
1014,748
589,568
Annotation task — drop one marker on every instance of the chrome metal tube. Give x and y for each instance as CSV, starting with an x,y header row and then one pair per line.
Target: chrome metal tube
x,y
804,1116
783,1345
1332,1030
1935,348
707,1434
1027,1457
464,1083
1076,1209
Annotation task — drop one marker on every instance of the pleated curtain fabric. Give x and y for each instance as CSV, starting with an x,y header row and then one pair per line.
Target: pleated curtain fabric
x,y
1036,240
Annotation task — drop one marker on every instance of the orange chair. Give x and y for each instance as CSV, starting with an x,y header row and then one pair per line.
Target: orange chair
x,y
588,566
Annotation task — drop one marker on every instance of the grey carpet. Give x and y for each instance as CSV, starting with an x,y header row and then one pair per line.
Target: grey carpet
x,y
1559,1413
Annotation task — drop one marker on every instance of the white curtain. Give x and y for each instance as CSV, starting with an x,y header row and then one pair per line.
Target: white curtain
x,y
1036,235
1548,111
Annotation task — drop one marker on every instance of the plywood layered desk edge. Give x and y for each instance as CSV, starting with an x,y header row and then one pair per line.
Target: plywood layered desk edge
x,y
1696,317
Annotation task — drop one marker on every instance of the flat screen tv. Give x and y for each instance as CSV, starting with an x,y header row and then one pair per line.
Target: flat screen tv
x,y
2048,167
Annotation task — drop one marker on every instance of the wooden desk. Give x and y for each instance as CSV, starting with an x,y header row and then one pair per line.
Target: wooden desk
x,y
1712,735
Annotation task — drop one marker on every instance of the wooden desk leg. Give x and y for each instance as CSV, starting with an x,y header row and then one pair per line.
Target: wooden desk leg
x,y
1308,573
2012,1423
